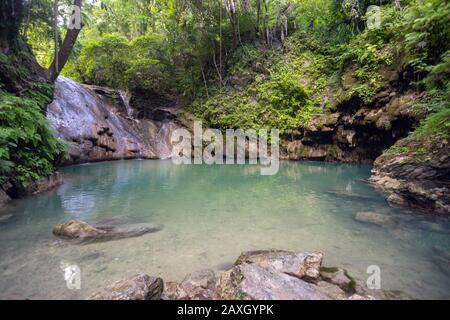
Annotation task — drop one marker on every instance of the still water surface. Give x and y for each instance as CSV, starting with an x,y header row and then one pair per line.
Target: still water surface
x,y
209,215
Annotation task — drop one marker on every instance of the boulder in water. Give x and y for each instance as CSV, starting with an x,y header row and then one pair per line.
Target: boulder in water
x,y
80,231
138,287
76,230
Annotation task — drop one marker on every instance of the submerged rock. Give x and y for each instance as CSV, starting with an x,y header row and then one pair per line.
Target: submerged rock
x,y
92,256
82,232
139,287
114,221
350,196
375,218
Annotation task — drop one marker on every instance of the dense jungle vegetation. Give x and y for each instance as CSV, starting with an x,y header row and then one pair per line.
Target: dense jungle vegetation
x,y
232,63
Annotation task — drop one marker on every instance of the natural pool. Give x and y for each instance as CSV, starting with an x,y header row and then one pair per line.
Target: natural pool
x,y
210,214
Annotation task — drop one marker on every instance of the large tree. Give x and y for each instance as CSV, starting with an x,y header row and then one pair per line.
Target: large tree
x,y
63,54
18,66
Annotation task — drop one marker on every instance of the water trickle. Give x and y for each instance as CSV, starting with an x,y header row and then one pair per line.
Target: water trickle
x,y
99,129
126,97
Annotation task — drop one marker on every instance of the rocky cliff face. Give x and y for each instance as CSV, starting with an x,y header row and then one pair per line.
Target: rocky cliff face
x,y
358,132
354,131
99,125
416,173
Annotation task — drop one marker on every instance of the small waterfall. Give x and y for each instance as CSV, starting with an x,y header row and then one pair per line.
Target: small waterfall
x,y
125,96
97,132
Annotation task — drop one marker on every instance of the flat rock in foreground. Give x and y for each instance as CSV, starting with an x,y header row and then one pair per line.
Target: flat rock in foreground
x,y
304,266
253,282
81,232
256,275
138,287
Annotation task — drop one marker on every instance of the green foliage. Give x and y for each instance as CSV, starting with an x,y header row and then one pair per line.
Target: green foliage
x,y
369,53
115,62
284,92
28,148
273,97
239,73
427,33
103,61
439,74
437,124
398,150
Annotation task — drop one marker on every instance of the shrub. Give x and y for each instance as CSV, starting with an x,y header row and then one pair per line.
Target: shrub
x,y
279,101
28,148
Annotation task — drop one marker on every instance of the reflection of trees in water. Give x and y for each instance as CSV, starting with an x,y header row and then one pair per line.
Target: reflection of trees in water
x,y
116,186
291,209
88,189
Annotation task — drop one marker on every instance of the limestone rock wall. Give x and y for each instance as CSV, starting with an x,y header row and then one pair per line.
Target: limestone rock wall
x,y
98,125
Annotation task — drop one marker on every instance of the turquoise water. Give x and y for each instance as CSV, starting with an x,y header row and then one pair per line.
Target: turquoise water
x,y
210,214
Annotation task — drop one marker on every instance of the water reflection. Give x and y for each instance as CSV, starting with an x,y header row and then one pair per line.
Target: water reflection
x,y
212,213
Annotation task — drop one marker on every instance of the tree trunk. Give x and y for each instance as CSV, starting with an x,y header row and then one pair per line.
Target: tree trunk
x,y
266,28
55,35
27,24
258,17
10,16
231,10
18,55
63,55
